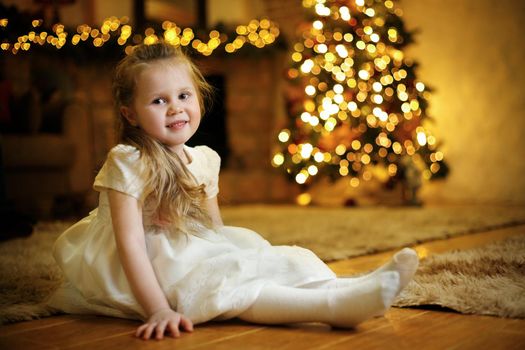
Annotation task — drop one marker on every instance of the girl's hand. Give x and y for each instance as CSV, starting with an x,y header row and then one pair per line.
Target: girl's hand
x,y
162,321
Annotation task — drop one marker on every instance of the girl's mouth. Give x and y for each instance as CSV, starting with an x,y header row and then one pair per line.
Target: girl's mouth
x,y
177,125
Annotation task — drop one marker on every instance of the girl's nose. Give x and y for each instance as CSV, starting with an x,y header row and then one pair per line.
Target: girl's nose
x,y
174,110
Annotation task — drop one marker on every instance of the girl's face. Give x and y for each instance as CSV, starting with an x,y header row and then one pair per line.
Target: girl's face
x,y
165,104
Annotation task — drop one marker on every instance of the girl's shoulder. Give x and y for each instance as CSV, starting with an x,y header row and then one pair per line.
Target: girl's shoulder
x,y
206,153
122,171
123,159
205,166
122,151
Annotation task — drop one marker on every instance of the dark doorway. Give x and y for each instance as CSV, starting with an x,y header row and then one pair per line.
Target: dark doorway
x,y
213,132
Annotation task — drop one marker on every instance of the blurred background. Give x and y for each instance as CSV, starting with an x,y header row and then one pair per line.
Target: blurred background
x,y
57,109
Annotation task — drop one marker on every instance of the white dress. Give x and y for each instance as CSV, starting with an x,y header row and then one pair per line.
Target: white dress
x,y
215,274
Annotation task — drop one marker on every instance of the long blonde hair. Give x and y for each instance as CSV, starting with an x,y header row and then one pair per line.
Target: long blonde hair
x,y
176,197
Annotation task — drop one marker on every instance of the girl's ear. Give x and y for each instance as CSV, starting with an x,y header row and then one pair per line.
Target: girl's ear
x,y
128,113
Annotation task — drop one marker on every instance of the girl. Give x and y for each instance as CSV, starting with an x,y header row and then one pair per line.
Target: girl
x,y
156,248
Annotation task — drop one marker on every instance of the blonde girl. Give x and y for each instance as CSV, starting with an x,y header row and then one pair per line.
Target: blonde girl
x,y
156,248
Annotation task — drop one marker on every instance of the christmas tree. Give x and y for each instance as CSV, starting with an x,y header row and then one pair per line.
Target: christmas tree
x,y
355,106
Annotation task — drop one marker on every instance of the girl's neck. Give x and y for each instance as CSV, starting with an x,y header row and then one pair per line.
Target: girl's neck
x,y
182,153
184,156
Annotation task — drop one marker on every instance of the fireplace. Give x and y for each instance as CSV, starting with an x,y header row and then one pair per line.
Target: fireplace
x,y
243,126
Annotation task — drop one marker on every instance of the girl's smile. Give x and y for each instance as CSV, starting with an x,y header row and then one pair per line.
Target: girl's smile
x,y
177,125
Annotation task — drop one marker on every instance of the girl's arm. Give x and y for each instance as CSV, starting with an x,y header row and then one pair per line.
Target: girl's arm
x,y
126,214
213,210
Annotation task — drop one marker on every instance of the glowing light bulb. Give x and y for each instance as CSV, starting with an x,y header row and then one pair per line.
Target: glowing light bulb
x,y
322,10
319,157
322,48
284,135
378,99
306,150
310,90
304,199
312,170
278,159
307,66
301,178
340,149
345,13
421,138
363,74
341,51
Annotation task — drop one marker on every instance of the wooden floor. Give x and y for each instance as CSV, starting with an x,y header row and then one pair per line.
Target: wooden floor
x,y
400,329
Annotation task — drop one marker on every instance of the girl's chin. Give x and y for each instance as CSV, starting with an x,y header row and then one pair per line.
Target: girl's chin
x,y
177,147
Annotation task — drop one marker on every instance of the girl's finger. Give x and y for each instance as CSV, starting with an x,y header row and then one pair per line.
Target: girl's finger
x,y
159,330
186,324
174,328
148,331
141,329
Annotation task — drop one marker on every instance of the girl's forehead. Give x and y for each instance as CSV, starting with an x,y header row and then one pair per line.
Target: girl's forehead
x,y
167,66
165,69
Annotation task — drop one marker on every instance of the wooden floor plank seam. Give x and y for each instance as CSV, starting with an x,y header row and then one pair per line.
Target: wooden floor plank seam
x,y
31,328
229,337
115,335
378,327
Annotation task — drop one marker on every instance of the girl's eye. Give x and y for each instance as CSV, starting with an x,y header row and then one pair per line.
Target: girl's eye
x,y
159,101
184,96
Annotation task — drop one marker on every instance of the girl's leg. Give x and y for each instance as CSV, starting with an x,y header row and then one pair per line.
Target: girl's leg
x,y
341,307
405,262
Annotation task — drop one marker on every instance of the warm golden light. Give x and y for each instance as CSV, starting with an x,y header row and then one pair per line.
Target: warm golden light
x,y
257,33
362,108
319,157
421,138
310,90
304,199
284,135
306,150
307,66
278,160
312,170
354,182
301,178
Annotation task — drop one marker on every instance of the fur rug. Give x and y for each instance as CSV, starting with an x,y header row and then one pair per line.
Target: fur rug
x,y
340,233
486,281
28,272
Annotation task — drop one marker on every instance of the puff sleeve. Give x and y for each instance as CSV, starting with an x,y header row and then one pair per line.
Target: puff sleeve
x,y
121,172
213,166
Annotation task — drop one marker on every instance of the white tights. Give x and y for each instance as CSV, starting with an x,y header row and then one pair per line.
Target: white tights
x,y
340,302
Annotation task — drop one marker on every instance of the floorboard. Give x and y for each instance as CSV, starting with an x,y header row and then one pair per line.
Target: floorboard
x,y
405,328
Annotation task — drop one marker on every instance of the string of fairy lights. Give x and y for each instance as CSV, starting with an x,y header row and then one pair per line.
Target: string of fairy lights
x,y
362,108
362,111
258,33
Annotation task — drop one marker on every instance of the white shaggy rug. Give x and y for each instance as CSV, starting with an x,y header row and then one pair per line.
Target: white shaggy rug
x,y
486,281
340,233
